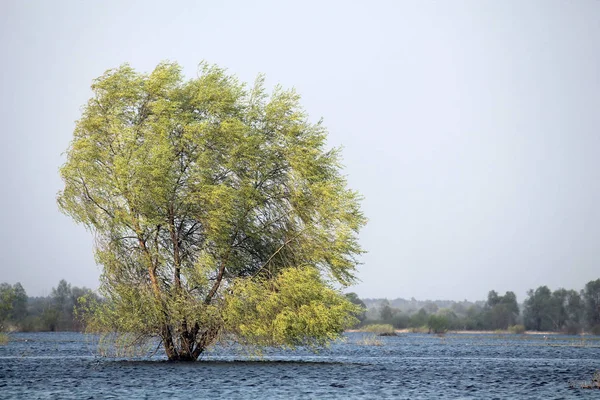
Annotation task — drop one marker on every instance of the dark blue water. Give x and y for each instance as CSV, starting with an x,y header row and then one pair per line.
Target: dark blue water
x,y
410,366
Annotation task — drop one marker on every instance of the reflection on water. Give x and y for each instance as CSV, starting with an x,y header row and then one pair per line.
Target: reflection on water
x,y
411,366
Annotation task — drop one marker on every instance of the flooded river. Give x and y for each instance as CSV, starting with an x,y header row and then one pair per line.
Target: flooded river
x,y
409,366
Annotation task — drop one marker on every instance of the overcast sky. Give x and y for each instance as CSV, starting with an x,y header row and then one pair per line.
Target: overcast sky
x,y
471,127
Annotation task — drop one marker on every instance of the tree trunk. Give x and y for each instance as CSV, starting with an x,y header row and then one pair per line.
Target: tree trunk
x,y
204,341
191,345
167,339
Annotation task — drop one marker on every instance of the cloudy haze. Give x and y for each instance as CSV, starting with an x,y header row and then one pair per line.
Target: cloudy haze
x,y
470,127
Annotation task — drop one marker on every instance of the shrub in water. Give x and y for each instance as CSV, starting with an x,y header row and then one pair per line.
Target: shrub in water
x,y
381,329
594,384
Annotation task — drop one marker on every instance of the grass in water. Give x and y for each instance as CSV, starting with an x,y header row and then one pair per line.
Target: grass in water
x,y
593,384
3,338
379,329
517,329
370,340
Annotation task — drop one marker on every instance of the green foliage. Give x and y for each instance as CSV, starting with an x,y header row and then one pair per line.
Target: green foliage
x,y
13,304
566,311
400,320
537,309
297,308
500,311
362,314
438,323
591,298
4,339
55,312
369,340
419,319
19,303
561,310
378,328
420,329
385,312
7,296
192,187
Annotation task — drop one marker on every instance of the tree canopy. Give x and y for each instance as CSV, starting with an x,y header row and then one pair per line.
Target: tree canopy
x,y
591,297
501,312
217,211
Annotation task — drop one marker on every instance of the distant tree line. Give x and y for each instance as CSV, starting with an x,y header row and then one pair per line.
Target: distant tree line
x,y
56,312
562,310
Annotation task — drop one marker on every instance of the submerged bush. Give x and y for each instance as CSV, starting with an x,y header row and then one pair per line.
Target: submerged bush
x,y
593,384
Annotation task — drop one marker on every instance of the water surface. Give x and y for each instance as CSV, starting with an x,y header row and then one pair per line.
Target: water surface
x,y
410,366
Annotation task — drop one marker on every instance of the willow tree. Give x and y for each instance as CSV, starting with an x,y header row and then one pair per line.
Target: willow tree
x,y
217,210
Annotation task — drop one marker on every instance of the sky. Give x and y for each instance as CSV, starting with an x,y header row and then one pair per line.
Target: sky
x,y
471,128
